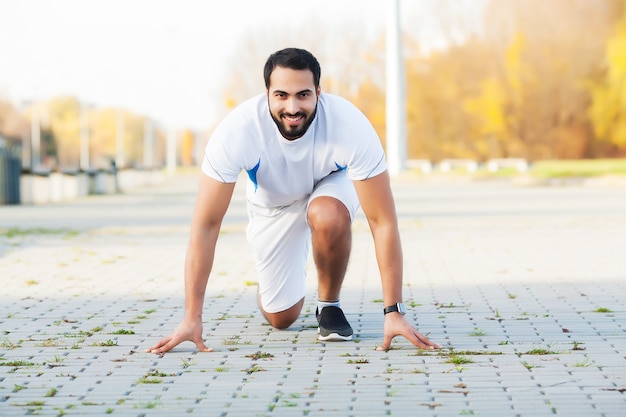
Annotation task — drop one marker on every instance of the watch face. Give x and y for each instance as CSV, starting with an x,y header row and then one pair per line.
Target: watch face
x,y
401,308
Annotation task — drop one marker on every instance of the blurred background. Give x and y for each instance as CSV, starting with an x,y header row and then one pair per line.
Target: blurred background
x,y
114,85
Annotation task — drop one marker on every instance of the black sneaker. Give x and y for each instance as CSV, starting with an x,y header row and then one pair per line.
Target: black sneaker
x,y
333,326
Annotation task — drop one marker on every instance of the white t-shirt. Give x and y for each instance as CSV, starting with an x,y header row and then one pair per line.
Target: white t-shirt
x,y
280,171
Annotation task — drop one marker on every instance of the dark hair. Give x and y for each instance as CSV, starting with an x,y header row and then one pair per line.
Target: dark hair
x,y
293,58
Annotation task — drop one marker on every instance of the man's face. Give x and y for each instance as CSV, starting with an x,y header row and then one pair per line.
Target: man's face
x,y
292,99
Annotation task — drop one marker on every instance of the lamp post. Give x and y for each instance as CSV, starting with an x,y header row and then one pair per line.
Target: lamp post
x,y
170,154
119,140
148,139
35,138
171,151
84,162
395,92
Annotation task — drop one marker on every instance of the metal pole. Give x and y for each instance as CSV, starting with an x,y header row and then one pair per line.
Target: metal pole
x,y
84,138
147,144
171,151
395,92
119,140
35,138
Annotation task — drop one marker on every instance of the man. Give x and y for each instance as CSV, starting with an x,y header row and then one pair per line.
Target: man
x,y
305,153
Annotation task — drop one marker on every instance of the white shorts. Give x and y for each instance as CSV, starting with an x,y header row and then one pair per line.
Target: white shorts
x,y
280,238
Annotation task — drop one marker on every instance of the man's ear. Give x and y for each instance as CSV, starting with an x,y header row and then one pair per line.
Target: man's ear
x,y
319,90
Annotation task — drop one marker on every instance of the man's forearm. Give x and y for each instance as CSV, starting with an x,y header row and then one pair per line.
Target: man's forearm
x,y
389,257
198,264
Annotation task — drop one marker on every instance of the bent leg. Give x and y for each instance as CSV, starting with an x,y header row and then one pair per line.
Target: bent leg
x,y
280,239
331,236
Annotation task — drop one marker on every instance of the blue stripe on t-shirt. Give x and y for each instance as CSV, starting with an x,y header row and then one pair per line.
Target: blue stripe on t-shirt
x,y
252,174
339,167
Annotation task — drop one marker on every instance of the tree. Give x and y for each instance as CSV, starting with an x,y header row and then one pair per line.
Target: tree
x,y
563,42
608,95
65,125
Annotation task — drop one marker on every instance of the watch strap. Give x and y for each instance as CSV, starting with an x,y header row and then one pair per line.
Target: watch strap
x,y
395,308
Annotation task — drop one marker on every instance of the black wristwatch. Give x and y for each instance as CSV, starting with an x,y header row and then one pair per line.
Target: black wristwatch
x,y
395,308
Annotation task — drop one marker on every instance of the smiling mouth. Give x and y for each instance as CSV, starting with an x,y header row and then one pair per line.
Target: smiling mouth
x,y
293,119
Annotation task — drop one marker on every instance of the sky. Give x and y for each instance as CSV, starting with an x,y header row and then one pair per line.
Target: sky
x,y
167,59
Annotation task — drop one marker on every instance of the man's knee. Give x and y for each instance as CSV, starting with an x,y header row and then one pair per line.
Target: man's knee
x,y
283,319
329,214
280,322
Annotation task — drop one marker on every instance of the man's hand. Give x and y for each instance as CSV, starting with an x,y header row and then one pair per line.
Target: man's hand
x,y
397,325
187,330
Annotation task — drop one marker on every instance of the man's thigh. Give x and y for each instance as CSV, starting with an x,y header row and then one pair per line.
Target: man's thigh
x,y
280,241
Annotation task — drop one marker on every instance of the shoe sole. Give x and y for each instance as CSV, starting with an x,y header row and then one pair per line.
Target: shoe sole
x,y
333,337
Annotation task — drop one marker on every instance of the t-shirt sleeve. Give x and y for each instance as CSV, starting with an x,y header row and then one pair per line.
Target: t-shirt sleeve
x,y
216,163
223,156
366,156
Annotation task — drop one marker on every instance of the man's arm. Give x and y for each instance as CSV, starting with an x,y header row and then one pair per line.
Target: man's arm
x,y
211,204
377,203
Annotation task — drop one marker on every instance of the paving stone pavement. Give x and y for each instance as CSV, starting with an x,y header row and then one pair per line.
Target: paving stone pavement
x,y
525,288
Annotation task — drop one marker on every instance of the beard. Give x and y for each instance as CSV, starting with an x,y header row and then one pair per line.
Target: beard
x,y
293,132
